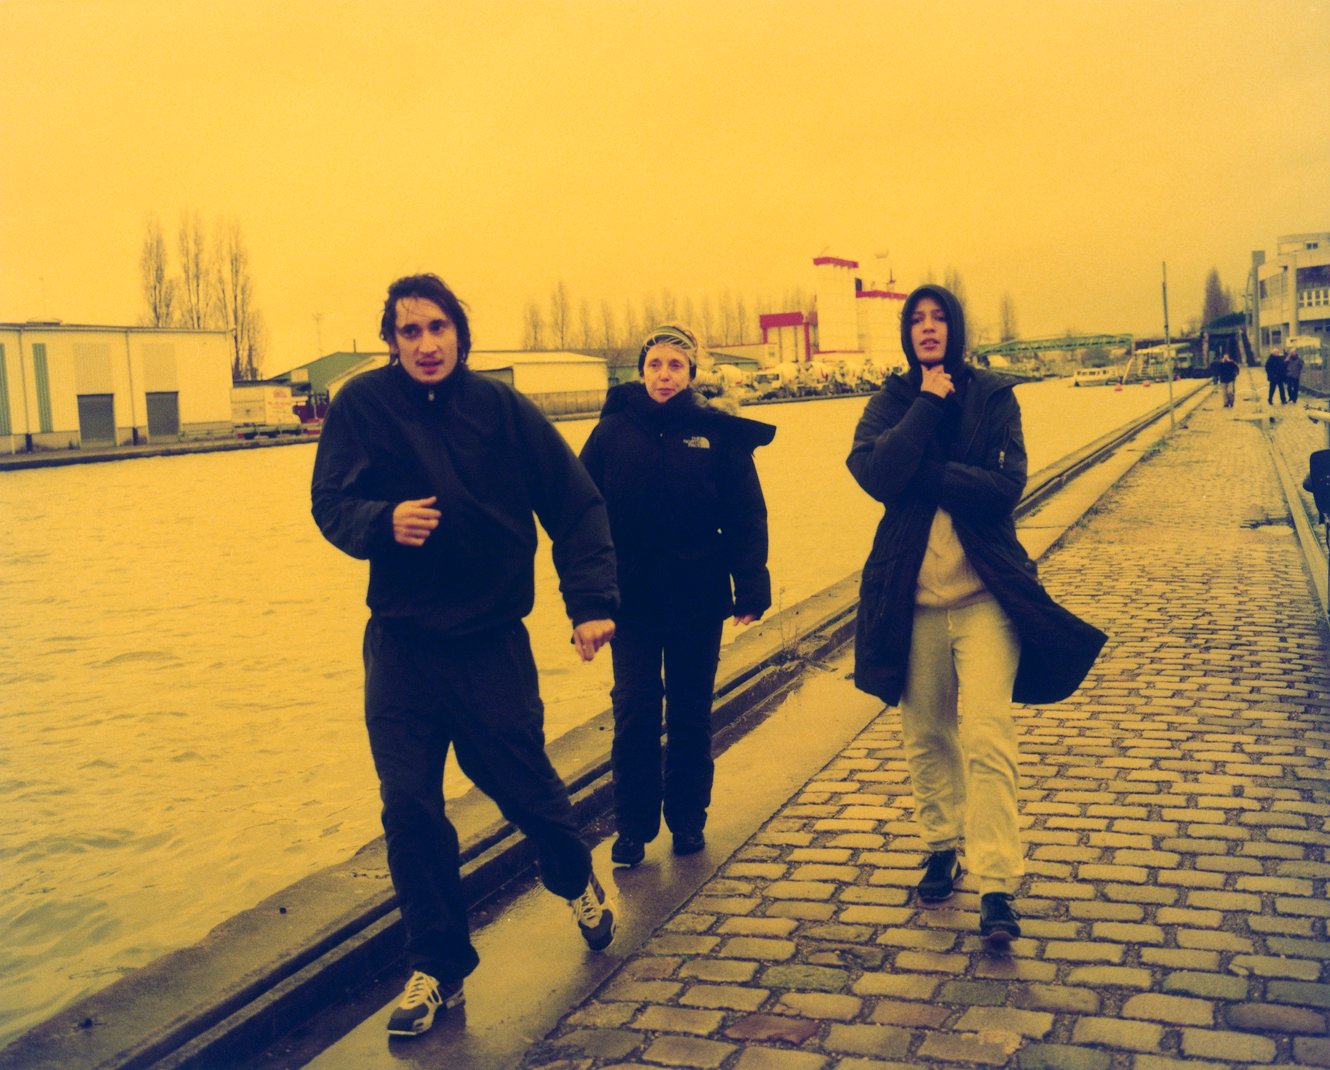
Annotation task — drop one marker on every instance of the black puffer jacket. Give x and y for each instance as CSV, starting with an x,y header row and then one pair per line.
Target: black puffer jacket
x,y
686,508
915,453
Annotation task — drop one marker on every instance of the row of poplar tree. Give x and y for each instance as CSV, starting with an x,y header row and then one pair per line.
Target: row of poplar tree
x,y
212,287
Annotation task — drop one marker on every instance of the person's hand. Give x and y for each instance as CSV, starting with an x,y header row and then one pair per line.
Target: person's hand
x,y
937,381
591,635
745,618
413,521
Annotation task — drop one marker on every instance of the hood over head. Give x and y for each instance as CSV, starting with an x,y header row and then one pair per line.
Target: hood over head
x,y
954,356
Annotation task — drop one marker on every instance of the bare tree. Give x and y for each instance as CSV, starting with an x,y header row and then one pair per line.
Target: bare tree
x,y
726,323
608,333
669,307
795,300
1218,301
195,290
650,314
255,345
158,286
1007,318
631,335
741,319
235,299
707,319
560,316
533,334
585,332
951,280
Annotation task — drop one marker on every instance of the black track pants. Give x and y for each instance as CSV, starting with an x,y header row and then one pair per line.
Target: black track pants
x,y
689,654
424,693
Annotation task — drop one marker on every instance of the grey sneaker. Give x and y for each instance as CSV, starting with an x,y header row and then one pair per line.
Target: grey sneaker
x,y
595,912
941,872
423,998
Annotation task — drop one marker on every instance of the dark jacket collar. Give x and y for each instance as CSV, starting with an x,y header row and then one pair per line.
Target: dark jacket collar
x,y
686,409
421,394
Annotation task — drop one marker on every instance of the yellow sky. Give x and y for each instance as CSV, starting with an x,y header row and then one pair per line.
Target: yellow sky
x,y
1059,151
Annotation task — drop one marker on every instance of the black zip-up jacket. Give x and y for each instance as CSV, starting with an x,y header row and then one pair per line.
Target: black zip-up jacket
x,y
493,460
686,507
915,452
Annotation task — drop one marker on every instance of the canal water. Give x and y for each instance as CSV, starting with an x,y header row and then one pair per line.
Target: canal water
x,y
180,679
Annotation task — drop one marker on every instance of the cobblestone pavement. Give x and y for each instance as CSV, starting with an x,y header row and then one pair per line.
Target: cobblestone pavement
x,y
1294,434
1175,904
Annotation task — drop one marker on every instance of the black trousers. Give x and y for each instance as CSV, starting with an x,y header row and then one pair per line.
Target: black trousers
x,y
424,693
1276,384
1293,385
688,653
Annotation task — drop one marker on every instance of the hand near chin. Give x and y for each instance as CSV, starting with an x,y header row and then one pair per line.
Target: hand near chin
x,y
938,382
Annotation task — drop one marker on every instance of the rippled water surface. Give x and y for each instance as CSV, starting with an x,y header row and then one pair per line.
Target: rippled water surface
x,y
180,679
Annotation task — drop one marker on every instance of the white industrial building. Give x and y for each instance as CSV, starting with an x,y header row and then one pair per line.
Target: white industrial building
x,y
73,386
855,320
559,382
1293,292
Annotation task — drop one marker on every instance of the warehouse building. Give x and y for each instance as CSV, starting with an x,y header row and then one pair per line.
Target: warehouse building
x,y
74,386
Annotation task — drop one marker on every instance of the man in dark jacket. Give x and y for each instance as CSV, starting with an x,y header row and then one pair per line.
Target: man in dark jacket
x,y
1293,375
1274,375
690,535
951,612
1226,373
433,474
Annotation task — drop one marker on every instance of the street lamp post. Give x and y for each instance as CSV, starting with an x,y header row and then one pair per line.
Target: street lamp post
x,y
1168,348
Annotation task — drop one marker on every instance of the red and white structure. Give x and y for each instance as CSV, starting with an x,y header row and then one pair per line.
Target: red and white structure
x,y
854,320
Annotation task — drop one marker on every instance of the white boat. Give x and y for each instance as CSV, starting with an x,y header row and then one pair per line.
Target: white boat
x,y
1096,376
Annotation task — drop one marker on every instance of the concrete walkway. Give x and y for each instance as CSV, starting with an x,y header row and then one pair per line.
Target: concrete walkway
x,y
1175,904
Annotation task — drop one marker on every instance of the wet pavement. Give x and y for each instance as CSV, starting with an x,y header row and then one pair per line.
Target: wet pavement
x,y
1175,811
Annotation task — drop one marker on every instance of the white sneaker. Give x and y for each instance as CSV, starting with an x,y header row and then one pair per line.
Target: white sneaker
x,y
423,997
596,915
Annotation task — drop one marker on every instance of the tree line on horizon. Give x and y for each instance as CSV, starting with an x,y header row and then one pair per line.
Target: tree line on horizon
x,y
212,289
719,319
726,318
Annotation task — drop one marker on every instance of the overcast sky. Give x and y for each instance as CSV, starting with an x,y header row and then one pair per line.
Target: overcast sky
x,y
1056,151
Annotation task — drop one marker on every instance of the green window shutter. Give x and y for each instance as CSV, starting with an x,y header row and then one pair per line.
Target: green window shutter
x,y
6,428
43,378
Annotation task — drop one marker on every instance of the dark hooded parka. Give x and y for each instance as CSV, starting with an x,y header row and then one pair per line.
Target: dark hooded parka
x,y
915,452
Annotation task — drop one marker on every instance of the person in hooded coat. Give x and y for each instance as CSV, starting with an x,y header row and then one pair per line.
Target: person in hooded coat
x,y
689,525
953,623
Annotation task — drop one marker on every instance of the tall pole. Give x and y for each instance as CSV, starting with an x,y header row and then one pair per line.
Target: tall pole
x,y
1168,348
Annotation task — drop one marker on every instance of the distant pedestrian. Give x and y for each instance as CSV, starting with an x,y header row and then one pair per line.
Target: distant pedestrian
x,y
1227,375
1293,374
690,534
433,473
953,621
1274,374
